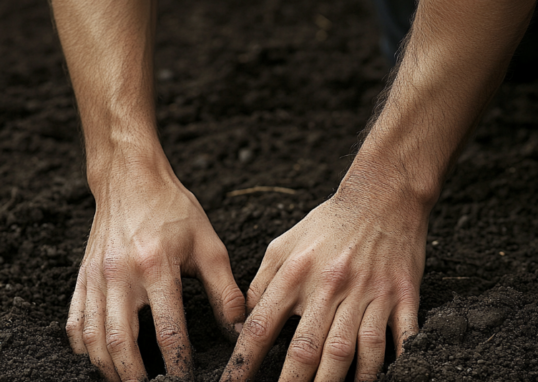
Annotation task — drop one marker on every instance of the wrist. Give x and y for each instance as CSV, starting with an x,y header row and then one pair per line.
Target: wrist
x,y
127,165
380,178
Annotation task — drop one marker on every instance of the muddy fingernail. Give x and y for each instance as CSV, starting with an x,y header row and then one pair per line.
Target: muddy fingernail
x,y
238,327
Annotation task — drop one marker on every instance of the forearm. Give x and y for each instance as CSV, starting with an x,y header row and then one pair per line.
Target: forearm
x,y
455,59
108,46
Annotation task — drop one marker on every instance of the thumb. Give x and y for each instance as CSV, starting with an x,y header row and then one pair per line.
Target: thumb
x,y
224,295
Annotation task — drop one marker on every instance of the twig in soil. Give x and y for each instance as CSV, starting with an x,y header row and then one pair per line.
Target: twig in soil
x,y
12,200
252,190
490,338
456,278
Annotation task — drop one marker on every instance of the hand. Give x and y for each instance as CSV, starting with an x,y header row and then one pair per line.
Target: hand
x,y
148,231
349,268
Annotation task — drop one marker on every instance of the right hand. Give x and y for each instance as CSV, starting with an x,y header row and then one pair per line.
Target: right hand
x,y
148,231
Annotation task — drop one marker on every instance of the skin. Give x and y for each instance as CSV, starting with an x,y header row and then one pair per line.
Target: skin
x,y
354,264
349,269
148,230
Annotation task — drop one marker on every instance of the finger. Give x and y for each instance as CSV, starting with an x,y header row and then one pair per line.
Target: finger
x,y
75,320
121,331
170,325
304,352
404,323
259,332
268,269
224,295
94,334
371,340
339,347
258,286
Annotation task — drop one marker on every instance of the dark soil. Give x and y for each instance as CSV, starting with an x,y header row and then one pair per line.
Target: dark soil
x,y
267,93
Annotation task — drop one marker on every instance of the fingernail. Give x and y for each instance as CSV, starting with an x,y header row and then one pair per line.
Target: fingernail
x,y
238,327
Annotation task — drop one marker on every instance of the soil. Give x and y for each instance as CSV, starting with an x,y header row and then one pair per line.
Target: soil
x,y
263,93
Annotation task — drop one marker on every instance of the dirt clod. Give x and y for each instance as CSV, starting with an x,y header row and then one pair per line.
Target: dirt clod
x,y
451,327
485,318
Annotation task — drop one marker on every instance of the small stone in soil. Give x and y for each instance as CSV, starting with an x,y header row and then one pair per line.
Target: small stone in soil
x,y
165,75
245,155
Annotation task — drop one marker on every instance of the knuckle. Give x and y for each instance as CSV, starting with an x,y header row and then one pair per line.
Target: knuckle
x,y
90,335
372,337
92,269
232,298
273,247
335,277
73,327
217,253
366,377
253,294
149,260
305,349
380,287
340,348
112,267
385,293
407,292
258,326
116,340
273,253
221,252
168,335
364,279
296,267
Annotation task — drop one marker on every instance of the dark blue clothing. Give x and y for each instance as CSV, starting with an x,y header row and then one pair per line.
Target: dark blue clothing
x,y
395,19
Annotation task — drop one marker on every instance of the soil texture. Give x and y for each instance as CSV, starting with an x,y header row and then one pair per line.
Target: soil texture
x,y
264,93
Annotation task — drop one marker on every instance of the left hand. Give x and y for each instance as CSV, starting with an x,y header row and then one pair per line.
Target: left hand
x,y
349,268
